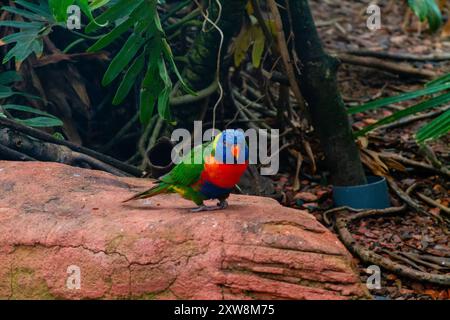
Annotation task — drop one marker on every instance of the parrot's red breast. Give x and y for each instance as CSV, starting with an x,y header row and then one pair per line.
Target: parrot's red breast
x,y
222,175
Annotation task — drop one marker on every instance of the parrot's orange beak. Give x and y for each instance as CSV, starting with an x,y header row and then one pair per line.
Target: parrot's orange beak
x,y
235,151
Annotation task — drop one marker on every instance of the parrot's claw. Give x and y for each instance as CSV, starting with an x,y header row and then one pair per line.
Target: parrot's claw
x,y
220,206
223,204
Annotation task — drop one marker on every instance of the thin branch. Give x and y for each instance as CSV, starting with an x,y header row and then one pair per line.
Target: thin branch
x,y
202,94
411,119
392,67
400,56
417,164
11,154
433,203
45,151
284,52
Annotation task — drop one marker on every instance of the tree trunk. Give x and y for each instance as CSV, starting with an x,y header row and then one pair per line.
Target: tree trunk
x,y
200,71
319,86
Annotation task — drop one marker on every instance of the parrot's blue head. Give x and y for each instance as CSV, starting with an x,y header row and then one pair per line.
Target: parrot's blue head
x,y
230,147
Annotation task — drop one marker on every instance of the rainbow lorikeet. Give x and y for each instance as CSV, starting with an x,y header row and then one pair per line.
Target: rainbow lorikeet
x,y
209,171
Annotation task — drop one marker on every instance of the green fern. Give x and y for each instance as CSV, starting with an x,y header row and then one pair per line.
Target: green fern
x,y
433,130
42,119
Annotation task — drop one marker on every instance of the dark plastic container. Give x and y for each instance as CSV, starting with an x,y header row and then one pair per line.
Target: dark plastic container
x,y
373,195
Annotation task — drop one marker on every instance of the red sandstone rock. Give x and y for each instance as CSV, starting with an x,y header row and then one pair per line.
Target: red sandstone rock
x,y
54,216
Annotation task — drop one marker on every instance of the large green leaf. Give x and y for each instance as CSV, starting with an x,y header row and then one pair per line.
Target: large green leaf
x,y
123,58
9,77
24,48
59,9
21,24
111,36
86,9
164,95
21,36
121,9
43,122
152,85
27,109
441,80
399,98
5,92
25,13
427,10
140,12
129,79
98,4
431,103
169,56
42,9
435,129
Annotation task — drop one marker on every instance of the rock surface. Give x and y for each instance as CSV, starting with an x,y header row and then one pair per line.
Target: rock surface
x,y
57,220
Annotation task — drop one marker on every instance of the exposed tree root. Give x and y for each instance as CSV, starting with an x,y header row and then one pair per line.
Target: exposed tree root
x,y
11,154
31,149
112,164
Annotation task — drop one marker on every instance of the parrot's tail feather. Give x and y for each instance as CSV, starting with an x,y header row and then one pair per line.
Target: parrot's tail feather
x,y
158,189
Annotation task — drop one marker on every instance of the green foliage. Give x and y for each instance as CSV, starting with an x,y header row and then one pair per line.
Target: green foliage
x,y
146,52
59,8
8,78
427,10
433,130
43,118
29,39
399,98
145,55
42,17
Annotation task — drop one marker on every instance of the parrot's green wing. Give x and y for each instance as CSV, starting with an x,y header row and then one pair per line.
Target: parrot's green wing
x,y
187,172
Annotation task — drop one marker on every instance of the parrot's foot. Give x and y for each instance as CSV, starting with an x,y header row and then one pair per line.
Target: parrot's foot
x,y
220,206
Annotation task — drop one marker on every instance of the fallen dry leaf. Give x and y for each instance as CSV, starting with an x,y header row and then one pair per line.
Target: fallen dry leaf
x,y
433,293
435,211
306,196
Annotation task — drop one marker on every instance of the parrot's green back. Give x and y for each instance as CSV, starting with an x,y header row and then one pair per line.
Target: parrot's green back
x,y
187,172
181,177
